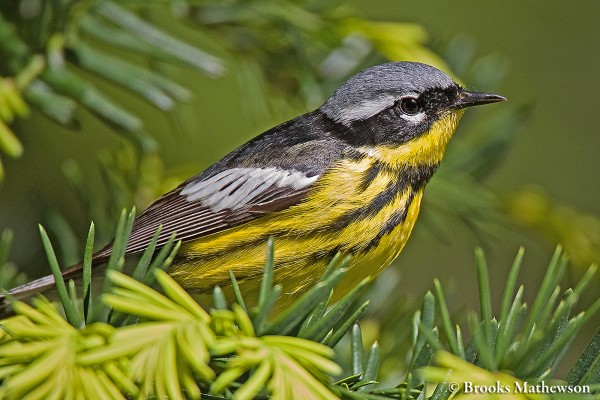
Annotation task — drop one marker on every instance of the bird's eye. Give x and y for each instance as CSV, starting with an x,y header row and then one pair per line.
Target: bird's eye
x,y
410,105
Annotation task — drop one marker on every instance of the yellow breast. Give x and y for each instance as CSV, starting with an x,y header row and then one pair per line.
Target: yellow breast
x,y
307,235
369,264
365,205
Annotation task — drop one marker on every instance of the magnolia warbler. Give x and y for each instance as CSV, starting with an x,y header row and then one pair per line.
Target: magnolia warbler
x,y
347,177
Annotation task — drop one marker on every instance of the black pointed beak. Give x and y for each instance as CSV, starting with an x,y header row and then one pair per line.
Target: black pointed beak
x,y
470,99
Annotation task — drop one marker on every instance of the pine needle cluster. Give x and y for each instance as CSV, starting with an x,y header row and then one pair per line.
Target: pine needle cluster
x,y
136,341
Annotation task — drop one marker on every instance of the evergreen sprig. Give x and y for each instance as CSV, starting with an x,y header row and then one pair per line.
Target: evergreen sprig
x,y
173,349
527,343
145,343
296,50
41,43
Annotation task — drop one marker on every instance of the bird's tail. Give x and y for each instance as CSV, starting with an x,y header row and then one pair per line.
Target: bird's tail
x,y
39,285
47,282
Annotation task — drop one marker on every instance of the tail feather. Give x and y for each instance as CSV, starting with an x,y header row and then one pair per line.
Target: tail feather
x,y
47,282
25,291
39,285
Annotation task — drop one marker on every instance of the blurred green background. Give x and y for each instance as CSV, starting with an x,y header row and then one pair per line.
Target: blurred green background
x,y
546,58
552,58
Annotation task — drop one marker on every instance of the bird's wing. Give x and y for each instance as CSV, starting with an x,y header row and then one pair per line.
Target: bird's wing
x,y
199,207
207,205
232,191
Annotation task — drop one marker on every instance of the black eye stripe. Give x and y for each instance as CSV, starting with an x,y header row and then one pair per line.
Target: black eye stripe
x,y
431,102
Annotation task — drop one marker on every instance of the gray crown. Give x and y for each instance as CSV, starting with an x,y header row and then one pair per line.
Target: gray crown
x,y
377,88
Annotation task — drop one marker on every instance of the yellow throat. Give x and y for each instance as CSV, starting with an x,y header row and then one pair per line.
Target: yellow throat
x,y
370,220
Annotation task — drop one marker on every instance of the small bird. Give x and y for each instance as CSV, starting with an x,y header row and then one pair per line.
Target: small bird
x,y
347,177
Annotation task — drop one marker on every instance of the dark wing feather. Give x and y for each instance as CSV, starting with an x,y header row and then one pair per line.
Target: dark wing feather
x,y
308,144
305,145
175,214
190,219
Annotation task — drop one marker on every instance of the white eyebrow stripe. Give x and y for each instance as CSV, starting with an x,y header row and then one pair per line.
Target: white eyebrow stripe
x,y
238,187
361,111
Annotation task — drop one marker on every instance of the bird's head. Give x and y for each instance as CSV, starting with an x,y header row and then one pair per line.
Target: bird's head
x,y
406,110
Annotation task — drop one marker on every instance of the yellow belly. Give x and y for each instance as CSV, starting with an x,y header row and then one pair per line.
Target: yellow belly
x,y
308,235
371,263
304,240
